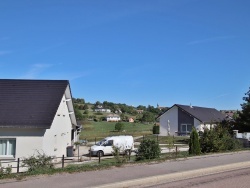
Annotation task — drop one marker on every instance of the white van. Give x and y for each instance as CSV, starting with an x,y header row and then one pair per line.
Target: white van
x,y
105,146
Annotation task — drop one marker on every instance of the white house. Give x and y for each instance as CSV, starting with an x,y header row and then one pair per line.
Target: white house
x,y
36,115
113,117
102,110
179,119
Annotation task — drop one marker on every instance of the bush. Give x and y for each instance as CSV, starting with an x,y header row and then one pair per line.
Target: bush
x,y
116,153
148,149
119,126
170,142
39,162
156,129
194,145
217,139
7,170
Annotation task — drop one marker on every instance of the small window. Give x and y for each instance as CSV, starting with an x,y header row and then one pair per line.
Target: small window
x,y
186,128
7,147
189,128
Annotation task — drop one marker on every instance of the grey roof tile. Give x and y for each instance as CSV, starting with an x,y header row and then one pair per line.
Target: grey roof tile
x,y
203,114
30,103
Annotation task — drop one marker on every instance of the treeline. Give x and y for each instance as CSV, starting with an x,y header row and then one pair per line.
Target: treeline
x,y
142,113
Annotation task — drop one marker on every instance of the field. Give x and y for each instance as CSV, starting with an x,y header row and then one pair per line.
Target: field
x,y
98,130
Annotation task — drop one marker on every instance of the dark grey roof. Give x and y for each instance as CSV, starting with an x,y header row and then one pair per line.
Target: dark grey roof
x,y
30,103
203,114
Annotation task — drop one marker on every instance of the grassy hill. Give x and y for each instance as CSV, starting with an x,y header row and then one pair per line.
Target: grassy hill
x,y
98,130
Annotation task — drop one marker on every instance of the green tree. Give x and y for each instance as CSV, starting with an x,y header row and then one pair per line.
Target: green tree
x,y
148,149
119,126
217,139
243,120
194,145
148,117
78,114
156,129
85,107
141,107
153,110
78,100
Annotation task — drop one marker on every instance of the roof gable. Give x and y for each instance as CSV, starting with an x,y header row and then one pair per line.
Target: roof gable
x,y
30,103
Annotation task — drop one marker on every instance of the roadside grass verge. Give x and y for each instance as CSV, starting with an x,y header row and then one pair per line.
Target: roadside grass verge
x,y
106,163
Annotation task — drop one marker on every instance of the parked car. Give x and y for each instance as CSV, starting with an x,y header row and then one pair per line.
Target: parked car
x,y
105,146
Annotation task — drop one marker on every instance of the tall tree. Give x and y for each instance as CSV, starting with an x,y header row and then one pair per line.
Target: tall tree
x,y
148,117
243,120
194,144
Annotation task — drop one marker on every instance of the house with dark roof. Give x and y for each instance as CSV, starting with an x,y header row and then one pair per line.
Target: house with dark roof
x,y
179,119
36,116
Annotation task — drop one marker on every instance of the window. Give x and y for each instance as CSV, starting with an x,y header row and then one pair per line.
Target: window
x,y
186,128
110,143
7,147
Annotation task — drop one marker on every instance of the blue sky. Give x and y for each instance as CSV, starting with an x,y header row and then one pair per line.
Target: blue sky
x,y
138,52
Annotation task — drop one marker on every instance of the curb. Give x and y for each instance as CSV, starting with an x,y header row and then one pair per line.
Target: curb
x,y
166,178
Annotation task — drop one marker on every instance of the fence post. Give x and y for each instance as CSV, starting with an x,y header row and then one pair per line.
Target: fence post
x,y
175,151
63,161
95,140
90,153
129,154
99,156
18,163
143,138
78,152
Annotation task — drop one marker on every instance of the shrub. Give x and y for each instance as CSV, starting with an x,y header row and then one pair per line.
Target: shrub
x,y
116,153
7,170
217,139
194,145
148,149
119,126
170,142
39,162
156,129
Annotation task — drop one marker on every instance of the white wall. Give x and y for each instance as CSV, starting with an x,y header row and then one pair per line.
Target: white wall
x,y
208,126
113,118
197,125
28,141
172,116
58,137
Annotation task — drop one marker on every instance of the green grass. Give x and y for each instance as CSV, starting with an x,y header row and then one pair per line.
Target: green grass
x,y
103,129
164,139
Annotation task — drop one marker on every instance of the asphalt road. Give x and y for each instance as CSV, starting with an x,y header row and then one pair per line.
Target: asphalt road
x,y
232,179
139,175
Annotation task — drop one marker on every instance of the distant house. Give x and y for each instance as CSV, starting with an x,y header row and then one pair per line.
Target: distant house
x,y
102,110
179,119
118,111
139,111
113,117
36,115
230,114
131,120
